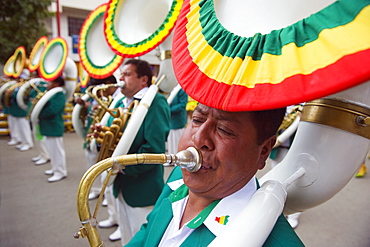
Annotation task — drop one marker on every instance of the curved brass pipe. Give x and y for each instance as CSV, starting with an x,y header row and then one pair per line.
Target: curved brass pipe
x,y
35,88
35,100
93,93
9,92
189,159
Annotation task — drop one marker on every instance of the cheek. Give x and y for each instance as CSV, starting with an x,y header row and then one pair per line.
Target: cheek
x,y
185,140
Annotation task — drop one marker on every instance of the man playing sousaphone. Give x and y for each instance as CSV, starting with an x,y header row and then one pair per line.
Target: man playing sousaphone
x,y
52,128
138,187
20,123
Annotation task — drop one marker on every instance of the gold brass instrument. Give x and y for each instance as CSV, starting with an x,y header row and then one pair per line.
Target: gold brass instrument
x,y
96,114
288,125
110,136
189,159
103,103
9,92
290,117
36,99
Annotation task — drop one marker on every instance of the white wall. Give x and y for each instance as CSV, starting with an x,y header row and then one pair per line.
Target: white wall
x,y
82,4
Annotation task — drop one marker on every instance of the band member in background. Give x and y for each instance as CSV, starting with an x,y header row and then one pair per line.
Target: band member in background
x,y
92,153
21,124
178,118
52,128
91,106
43,157
137,187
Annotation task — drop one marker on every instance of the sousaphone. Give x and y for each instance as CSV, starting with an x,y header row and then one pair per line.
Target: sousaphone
x,y
96,57
33,65
20,61
55,62
243,55
9,66
35,55
132,29
8,71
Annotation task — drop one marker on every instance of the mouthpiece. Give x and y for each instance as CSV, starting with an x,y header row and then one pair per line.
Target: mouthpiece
x,y
189,159
121,84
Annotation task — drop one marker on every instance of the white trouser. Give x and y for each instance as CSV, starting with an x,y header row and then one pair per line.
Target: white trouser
x,y
91,158
24,130
130,219
173,140
41,146
111,200
40,143
14,133
57,154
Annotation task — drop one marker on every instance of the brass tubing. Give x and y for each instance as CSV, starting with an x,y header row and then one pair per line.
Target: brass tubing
x,y
189,159
94,94
338,114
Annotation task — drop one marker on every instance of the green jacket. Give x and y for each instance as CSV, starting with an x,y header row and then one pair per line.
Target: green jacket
x,y
141,185
14,108
51,116
178,110
151,233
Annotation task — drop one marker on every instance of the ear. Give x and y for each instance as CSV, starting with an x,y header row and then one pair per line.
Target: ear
x,y
144,81
266,148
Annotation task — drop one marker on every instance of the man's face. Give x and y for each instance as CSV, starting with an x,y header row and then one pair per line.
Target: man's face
x,y
133,83
51,84
228,144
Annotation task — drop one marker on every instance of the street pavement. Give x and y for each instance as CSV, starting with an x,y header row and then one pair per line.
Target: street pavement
x,y
34,212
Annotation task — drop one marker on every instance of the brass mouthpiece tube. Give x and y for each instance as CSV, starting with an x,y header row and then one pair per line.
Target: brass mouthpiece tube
x,y
94,94
189,159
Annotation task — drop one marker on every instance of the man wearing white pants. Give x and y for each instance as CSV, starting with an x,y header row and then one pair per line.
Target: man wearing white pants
x,y
43,157
52,127
21,125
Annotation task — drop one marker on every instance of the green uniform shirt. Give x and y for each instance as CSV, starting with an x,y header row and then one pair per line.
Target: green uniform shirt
x,y
152,232
141,185
51,116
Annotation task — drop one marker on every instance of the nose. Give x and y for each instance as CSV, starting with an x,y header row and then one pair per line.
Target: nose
x,y
203,138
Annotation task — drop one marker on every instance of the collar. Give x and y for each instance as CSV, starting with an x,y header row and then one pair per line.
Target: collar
x,y
220,213
139,95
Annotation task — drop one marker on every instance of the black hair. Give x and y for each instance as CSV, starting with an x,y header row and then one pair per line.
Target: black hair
x,y
267,122
142,69
60,81
109,80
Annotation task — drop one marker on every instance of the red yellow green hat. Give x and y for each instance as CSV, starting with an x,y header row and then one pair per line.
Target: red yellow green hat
x,y
322,54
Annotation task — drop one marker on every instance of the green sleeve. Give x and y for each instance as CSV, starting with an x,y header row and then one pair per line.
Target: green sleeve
x,y
152,135
54,106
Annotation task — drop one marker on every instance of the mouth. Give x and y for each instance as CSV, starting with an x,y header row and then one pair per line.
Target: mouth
x,y
205,167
